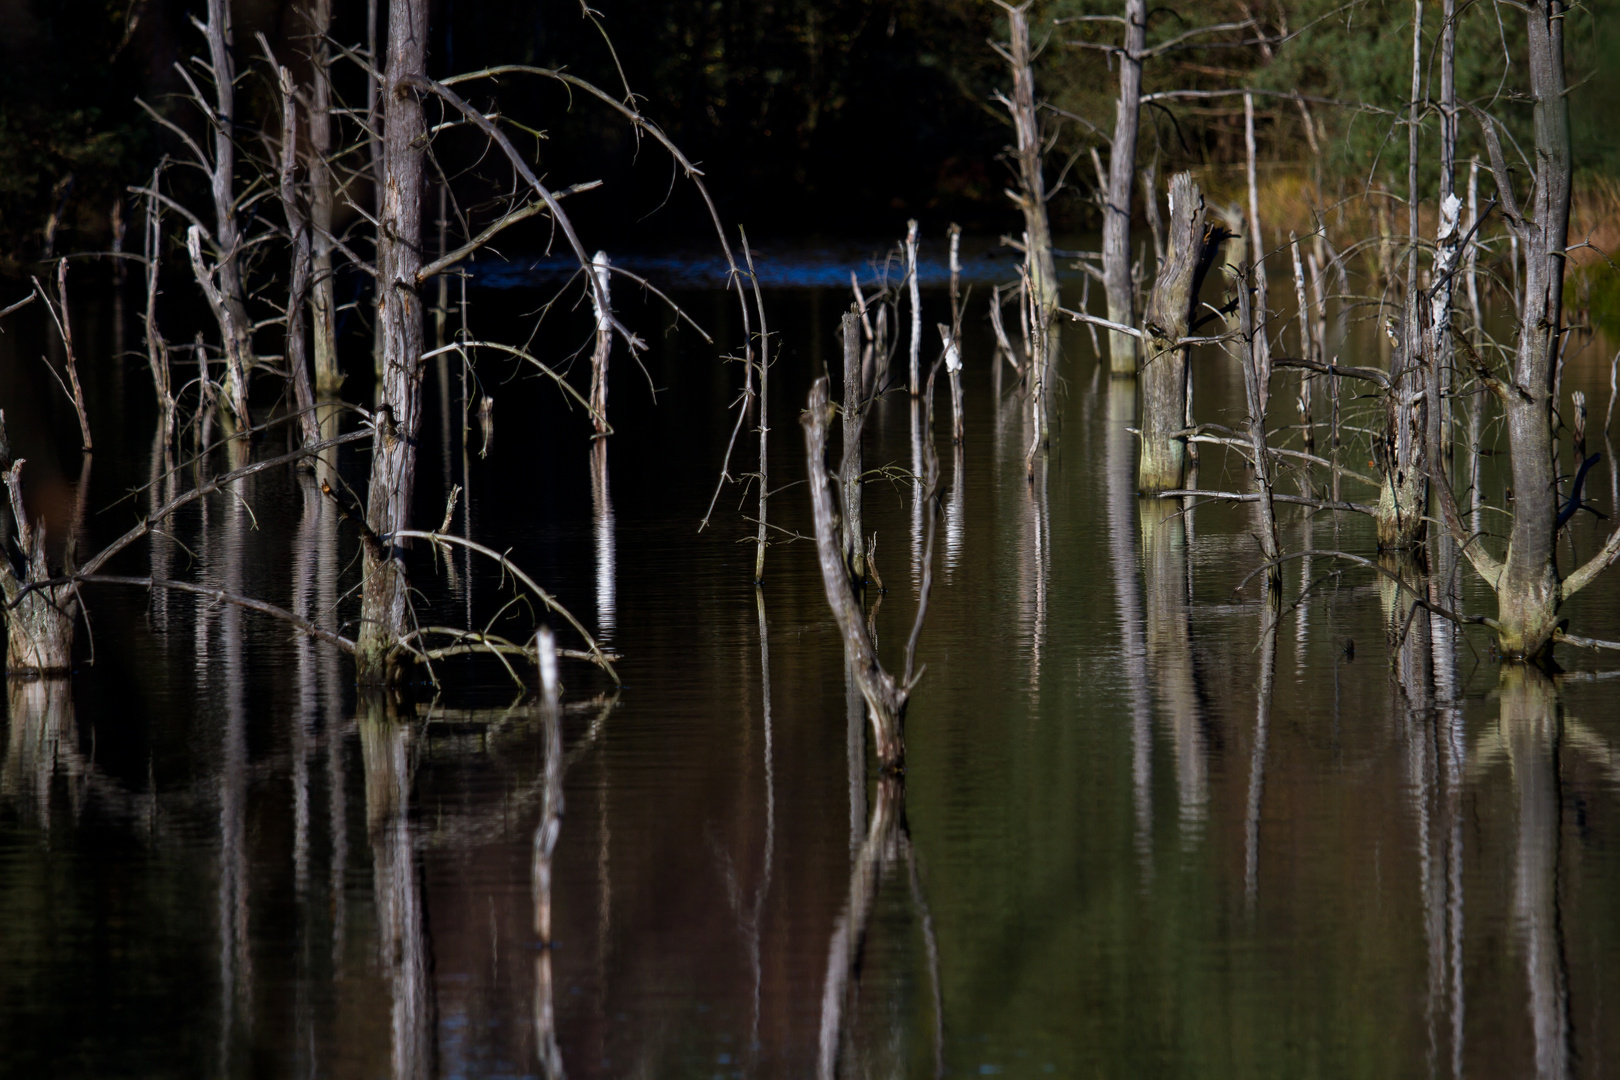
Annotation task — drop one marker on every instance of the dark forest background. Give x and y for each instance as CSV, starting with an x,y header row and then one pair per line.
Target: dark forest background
x,y
808,116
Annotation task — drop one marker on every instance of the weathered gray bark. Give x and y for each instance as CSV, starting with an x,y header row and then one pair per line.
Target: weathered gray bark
x,y
1031,194
157,349
849,471
1399,451
298,286
230,306
1116,237
39,621
601,304
323,302
1528,593
1256,376
399,258
914,294
885,698
1527,581
1193,247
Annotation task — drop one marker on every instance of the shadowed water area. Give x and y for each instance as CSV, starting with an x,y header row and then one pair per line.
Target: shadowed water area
x,y
1137,834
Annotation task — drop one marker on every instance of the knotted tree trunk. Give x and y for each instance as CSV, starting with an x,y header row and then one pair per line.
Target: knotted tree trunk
x,y
399,258
1193,246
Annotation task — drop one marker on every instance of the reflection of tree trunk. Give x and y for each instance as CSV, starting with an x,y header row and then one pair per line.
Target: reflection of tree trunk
x,y
545,846
1257,760
235,956
1533,727
43,740
1120,464
1169,659
849,934
606,544
385,747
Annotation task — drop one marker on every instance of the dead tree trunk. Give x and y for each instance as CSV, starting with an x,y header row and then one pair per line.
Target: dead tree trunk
x,y
1116,240
1193,247
399,258
1526,580
885,698
157,350
915,296
1256,376
953,366
849,472
323,303
231,309
39,623
1402,499
1031,194
601,304
298,287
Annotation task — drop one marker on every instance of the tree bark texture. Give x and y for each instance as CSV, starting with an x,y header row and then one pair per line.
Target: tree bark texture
x,y
227,236
1528,590
1193,247
399,258
323,302
601,305
1116,242
885,699
849,472
1031,194
298,285
39,622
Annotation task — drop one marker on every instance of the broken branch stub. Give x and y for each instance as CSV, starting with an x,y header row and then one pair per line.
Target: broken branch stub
x,y
885,699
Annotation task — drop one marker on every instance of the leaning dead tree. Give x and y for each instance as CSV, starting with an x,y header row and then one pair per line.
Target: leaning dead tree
x,y
886,697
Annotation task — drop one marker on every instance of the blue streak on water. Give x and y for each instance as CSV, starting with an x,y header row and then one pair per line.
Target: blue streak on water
x,y
801,268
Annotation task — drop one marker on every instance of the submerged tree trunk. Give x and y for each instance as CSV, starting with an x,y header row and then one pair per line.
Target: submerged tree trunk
x,y
1528,591
1116,238
39,621
399,258
1527,582
1193,247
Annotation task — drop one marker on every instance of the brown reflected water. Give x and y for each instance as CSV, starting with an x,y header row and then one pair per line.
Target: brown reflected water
x,y
1147,828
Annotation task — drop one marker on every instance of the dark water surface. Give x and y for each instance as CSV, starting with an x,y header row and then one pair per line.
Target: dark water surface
x,y
1113,854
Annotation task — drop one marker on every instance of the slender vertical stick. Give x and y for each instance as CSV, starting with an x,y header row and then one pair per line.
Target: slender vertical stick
x,y
764,427
157,350
955,233
601,305
1257,249
1253,379
1305,344
916,303
64,326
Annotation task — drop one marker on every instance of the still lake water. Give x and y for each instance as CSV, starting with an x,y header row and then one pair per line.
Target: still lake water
x,y
1113,854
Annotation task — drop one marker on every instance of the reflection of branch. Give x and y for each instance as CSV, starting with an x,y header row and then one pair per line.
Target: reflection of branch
x,y
850,933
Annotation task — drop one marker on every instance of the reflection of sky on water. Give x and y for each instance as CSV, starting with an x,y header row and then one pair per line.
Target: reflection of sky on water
x,y
810,267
